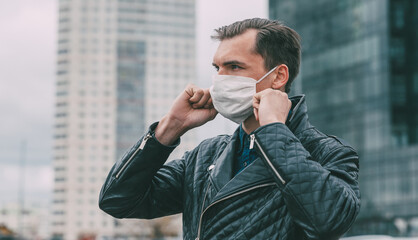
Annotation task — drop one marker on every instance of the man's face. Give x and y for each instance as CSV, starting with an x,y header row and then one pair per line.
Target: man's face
x,y
237,56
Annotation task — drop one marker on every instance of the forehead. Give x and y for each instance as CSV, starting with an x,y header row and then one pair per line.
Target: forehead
x,y
240,48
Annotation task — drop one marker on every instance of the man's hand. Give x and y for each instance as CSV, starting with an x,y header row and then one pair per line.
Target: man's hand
x,y
271,106
191,109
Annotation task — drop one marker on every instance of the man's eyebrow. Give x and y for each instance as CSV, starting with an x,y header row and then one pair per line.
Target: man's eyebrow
x,y
232,62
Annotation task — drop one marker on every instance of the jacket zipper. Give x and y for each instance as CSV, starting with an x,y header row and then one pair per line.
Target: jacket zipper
x,y
254,140
141,146
225,198
203,205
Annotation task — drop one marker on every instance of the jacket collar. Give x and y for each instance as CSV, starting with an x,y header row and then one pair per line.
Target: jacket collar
x,y
298,121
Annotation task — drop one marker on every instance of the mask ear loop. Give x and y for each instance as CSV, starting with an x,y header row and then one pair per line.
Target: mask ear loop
x,y
265,75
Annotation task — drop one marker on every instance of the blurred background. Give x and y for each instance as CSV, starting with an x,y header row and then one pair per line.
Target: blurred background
x,y
81,80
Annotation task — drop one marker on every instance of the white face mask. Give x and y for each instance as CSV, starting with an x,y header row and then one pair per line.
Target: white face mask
x,y
232,96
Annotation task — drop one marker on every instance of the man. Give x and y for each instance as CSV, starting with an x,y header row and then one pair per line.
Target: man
x,y
276,177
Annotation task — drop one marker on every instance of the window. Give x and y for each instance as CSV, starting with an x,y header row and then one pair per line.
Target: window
x,y
398,18
61,93
60,169
397,51
415,83
60,136
398,89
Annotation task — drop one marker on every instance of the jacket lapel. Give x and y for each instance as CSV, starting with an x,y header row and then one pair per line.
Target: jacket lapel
x,y
222,178
254,174
221,173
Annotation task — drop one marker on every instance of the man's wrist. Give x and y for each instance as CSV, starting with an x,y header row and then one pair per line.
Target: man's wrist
x,y
272,120
169,130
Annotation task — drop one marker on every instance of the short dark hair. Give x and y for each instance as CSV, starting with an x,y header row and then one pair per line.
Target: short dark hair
x,y
275,42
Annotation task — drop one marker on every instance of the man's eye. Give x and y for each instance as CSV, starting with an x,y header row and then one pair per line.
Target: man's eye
x,y
216,68
235,67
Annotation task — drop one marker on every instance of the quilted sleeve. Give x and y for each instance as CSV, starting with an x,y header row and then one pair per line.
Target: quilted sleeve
x,y
141,186
318,176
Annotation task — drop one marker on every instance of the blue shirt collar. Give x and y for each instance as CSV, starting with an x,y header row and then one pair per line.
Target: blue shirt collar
x,y
244,138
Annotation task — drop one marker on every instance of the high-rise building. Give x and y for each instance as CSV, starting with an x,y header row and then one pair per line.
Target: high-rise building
x,y
360,76
120,65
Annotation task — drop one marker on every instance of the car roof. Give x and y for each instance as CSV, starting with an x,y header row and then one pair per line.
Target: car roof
x,y
378,237
369,237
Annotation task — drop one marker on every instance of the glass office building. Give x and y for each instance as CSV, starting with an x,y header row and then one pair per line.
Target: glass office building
x,y
360,75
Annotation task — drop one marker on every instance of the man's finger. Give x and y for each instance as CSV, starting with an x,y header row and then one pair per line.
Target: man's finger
x,y
189,90
257,97
256,100
197,95
203,100
256,105
209,104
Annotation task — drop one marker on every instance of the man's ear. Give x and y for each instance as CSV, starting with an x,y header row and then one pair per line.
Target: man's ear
x,y
282,75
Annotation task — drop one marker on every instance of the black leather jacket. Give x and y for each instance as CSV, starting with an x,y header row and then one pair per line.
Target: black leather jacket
x,y
303,185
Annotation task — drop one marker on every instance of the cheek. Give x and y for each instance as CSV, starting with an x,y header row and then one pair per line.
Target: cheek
x,y
257,87
262,86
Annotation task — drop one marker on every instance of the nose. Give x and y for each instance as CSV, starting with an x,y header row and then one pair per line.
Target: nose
x,y
222,71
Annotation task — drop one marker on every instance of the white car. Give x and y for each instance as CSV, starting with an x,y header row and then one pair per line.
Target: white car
x,y
378,237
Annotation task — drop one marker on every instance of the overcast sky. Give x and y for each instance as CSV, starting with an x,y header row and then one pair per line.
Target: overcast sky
x,y
27,30
27,67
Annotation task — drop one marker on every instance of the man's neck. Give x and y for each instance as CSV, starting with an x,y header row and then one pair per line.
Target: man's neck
x,y
250,124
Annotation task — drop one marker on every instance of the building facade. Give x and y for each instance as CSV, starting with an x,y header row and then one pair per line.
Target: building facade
x,y
120,65
24,222
360,76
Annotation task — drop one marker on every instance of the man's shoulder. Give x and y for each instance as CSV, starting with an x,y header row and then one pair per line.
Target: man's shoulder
x,y
208,149
316,141
215,142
